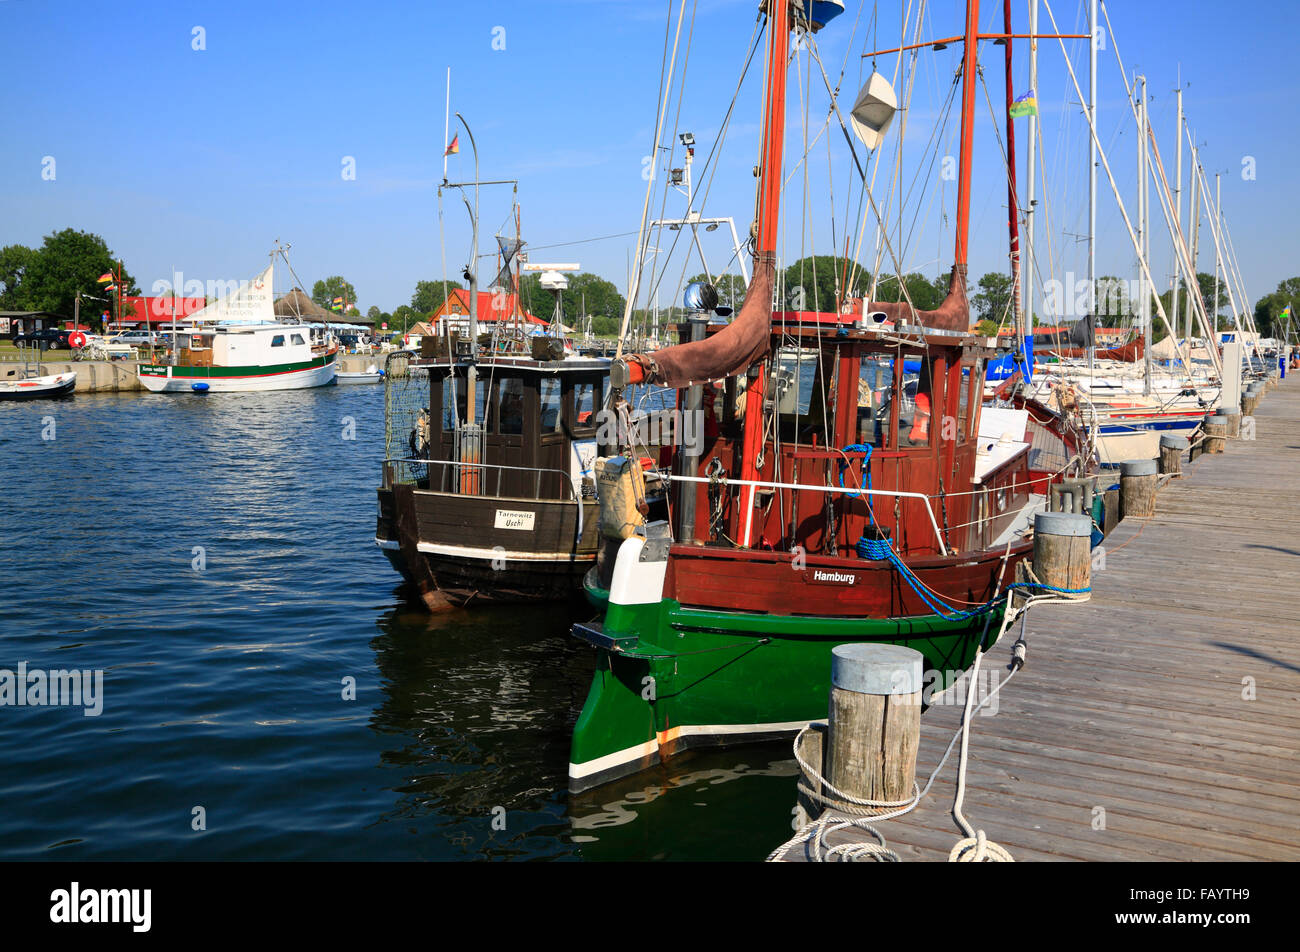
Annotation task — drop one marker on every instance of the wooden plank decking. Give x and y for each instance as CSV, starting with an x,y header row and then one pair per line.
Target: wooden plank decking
x,y
1133,703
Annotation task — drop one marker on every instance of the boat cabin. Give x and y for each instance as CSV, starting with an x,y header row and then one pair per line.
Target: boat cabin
x,y
533,429
892,410
245,345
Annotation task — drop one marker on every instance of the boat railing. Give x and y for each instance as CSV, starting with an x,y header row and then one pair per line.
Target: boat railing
x,y
756,484
452,475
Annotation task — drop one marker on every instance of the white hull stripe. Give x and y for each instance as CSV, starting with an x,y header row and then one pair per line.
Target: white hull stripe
x,y
471,552
629,754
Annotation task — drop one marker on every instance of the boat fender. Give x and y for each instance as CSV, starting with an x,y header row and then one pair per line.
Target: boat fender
x,y
620,489
199,387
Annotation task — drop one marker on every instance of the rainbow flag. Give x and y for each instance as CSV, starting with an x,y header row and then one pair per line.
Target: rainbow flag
x,y
1026,105
455,145
106,277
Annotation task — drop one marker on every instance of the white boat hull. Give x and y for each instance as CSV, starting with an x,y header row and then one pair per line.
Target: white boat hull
x,y
186,380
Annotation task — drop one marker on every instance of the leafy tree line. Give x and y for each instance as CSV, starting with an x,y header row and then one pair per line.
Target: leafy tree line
x,y
50,278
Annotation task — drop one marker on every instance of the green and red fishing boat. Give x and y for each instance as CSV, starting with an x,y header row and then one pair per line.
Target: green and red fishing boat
x,y
878,501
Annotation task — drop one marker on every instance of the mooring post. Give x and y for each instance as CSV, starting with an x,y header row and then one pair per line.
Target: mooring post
x,y
1216,433
1063,550
1172,448
875,720
1137,487
1233,415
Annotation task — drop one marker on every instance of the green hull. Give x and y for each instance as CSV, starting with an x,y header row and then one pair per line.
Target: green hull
x,y
668,678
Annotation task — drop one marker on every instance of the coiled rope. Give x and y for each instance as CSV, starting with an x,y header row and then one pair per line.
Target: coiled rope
x,y
854,812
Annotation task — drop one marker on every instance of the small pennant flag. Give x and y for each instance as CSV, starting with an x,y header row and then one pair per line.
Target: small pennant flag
x,y
1026,105
106,277
455,145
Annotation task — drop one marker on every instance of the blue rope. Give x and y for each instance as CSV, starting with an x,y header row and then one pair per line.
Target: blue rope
x,y
866,471
882,550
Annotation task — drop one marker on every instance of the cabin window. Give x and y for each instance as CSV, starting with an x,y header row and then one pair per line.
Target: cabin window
x,y
916,405
454,390
586,401
972,392
875,383
552,401
799,386
277,340
297,339
510,405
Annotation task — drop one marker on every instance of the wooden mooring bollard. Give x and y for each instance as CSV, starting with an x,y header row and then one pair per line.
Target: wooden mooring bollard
x,y
1137,487
1172,448
1250,401
1216,433
1063,550
875,721
1233,416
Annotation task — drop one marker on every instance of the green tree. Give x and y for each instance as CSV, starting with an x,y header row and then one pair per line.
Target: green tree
x,y
1114,309
428,296
67,264
600,298
324,292
14,262
372,313
993,301
403,317
924,293
1270,306
814,283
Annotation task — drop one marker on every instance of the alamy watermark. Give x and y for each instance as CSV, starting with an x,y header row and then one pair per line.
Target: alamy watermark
x,y
55,688
656,428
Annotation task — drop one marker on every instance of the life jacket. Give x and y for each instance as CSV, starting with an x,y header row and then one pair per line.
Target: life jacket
x,y
920,432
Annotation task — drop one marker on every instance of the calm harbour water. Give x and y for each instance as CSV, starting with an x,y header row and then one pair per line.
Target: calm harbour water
x,y
223,685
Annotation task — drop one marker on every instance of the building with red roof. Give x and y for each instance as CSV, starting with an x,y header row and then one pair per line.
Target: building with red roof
x,y
493,306
145,311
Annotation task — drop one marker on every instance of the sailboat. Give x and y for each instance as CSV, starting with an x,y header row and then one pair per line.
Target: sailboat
x,y
889,507
237,343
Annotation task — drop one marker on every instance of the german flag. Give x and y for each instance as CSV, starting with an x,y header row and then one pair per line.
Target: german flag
x,y
455,145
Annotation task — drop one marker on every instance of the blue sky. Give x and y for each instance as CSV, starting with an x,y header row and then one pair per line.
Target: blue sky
x,y
199,159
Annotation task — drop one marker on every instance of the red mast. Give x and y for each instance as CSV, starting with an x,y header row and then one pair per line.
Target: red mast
x,y
967,135
769,210
1013,200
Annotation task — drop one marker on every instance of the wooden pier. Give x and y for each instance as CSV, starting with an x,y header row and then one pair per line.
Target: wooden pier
x,y
1160,720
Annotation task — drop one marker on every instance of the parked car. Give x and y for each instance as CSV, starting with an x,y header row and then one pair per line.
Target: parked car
x,y
134,338
49,338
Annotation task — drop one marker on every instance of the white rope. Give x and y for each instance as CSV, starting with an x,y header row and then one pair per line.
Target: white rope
x,y
975,846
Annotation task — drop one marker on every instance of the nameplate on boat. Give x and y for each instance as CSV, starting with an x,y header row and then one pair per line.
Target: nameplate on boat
x,y
832,577
514,519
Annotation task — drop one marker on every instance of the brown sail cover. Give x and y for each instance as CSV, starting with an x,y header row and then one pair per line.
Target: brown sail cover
x,y
952,314
747,339
1131,352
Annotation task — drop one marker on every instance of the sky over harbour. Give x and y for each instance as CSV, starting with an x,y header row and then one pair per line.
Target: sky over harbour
x,y
198,159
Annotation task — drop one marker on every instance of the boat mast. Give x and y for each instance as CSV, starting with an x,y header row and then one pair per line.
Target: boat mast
x,y
1144,234
1195,208
969,68
1215,227
1027,260
1013,204
769,209
1095,30
1178,198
